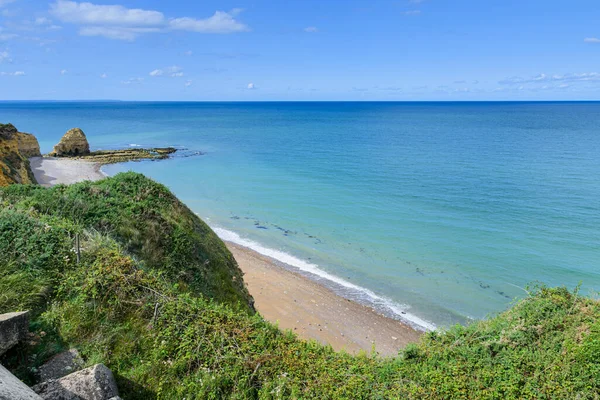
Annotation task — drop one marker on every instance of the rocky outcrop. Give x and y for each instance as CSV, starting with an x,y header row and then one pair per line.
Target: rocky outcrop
x,y
28,145
7,131
13,329
11,388
73,143
14,165
118,156
60,365
94,383
60,382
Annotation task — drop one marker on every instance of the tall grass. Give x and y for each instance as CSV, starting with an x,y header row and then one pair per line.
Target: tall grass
x,y
177,327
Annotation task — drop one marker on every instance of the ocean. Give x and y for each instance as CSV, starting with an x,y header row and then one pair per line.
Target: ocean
x,y
434,213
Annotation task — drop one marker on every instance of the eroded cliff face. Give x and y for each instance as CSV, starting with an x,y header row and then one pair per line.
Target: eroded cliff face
x,y
28,145
15,148
73,143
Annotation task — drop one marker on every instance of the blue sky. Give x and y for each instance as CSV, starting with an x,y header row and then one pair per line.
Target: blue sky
x,y
300,50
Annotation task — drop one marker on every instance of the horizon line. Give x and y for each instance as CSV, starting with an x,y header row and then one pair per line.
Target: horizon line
x,y
295,101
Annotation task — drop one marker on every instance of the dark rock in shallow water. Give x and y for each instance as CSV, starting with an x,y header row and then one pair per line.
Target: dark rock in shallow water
x,y
118,156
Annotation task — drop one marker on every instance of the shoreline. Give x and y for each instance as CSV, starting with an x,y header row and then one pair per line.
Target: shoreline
x,y
50,171
313,311
284,297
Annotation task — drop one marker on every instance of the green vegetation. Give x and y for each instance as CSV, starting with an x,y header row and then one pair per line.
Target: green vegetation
x,y
7,129
159,299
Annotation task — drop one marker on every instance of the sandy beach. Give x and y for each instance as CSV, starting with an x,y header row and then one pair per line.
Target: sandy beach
x,y
286,298
50,171
313,311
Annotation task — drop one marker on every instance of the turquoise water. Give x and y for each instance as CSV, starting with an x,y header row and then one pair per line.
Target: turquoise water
x,y
432,212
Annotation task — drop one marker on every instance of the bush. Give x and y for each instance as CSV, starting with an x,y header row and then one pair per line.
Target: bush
x,y
180,327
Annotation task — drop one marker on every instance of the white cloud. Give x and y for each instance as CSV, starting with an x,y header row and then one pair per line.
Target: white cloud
x,y
591,40
174,71
6,2
16,73
47,23
104,76
188,53
220,22
118,22
132,81
118,33
412,12
93,14
5,57
311,29
251,86
42,21
188,83
542,78
63,72
7,36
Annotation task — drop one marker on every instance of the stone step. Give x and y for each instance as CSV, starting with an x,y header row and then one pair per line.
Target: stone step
x,y
12,388
94,383
60,365
14,327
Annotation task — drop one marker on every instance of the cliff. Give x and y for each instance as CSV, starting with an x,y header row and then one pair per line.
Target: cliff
x,y
158,298
15,149
28,145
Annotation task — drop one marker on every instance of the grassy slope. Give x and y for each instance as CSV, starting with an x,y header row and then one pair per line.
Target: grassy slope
x,y
159,299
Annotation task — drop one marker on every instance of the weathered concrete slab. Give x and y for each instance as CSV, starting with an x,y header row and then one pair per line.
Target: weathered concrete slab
x,y
94,383
13,328
60,365
12,388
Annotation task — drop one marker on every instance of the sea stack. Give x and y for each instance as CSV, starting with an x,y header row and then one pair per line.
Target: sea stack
x,y
73,143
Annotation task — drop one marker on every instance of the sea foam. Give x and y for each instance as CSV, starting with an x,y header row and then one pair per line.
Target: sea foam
x,y
399,311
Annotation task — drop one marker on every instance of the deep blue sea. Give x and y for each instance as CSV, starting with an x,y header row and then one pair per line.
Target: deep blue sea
x,y
433,212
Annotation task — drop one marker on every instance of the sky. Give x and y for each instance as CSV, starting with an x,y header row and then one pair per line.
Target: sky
x,y
259,50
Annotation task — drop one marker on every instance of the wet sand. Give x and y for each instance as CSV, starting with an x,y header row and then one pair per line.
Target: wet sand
x,y
315,312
